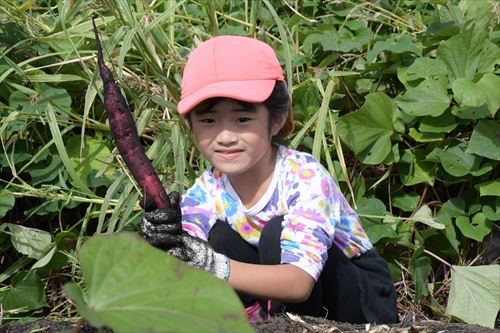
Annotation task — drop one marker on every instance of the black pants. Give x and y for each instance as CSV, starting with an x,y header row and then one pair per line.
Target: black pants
x,y
357,290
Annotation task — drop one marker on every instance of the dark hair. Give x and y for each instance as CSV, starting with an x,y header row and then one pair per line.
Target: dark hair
x,y
278,103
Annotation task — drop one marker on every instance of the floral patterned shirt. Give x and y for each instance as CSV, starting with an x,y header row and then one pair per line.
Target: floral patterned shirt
x,y
302,191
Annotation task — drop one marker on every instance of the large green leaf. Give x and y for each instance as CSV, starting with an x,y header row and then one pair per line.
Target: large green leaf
x,y
29,241
367,132
464,54
429,98
134,287
475,294
485,140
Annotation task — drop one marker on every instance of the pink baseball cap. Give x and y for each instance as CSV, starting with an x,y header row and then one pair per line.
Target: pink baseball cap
x,y
236,67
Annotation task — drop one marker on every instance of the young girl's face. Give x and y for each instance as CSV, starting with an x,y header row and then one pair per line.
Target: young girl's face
x,y
234,138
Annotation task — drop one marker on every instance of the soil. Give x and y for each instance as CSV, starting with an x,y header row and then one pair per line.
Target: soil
x,y
278,324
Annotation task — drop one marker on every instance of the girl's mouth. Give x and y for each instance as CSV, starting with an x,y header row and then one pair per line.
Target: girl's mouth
x,y
229,154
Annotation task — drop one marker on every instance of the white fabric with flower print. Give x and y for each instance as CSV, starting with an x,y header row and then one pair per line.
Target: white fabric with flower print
x,y
302,191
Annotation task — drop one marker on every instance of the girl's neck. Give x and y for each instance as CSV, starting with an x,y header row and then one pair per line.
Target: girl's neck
x,y
251,187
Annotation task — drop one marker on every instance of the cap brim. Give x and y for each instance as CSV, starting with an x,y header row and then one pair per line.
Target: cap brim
x,y
254,91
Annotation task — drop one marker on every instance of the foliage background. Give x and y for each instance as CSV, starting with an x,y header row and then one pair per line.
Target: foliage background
x,y
398,99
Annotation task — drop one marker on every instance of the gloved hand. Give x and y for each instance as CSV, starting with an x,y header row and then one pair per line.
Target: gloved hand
x,y
198,253
162,227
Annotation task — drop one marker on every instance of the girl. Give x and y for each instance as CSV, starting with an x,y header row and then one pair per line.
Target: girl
x,y
267,219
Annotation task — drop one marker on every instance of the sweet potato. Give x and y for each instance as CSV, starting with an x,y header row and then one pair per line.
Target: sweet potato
x,y
124,132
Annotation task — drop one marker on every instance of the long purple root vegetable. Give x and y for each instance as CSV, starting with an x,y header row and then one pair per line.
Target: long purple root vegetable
x,y
124,132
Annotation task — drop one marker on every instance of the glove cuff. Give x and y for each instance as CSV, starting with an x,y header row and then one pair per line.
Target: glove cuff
x,y
222,267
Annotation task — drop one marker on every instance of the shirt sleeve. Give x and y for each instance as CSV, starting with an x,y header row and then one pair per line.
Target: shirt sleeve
x,y
198,209
313,211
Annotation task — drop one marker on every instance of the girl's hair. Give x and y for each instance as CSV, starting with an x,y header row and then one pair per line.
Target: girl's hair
x,y
278,103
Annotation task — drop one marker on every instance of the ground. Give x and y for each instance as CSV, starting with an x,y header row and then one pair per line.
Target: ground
x,y
278,324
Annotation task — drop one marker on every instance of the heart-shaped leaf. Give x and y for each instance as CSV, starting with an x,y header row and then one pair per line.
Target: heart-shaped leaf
x,y
134,287
476,229
475,294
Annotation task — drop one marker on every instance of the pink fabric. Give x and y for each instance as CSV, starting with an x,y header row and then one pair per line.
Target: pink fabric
x,y
254,313
236,67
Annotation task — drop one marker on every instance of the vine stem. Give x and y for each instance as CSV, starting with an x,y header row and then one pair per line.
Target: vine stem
x,y
438,258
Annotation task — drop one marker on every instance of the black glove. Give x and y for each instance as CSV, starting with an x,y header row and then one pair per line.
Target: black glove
x,y
162,227
197,253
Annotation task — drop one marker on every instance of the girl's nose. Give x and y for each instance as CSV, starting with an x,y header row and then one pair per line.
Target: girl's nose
x,y
227,136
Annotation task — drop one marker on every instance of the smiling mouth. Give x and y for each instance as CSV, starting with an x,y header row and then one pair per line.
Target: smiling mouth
x,y
229,154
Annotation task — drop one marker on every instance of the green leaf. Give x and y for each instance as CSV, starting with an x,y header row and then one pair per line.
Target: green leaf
x,y
367,132
468,93
443,217
490,187
37,102
150,291
476,229
457,162
445,123
7,201
42,262
463,52
429,98
422,68
92,156
475,294
397,45
492,212
424,215
489,83
485,140
29,241
372,211
420,269
414,169
19,154
47,173
407,202
454,207
26,293
307,100
471,112
77,295
424,136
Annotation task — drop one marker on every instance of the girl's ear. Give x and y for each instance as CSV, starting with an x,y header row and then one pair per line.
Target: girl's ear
x,y
278,124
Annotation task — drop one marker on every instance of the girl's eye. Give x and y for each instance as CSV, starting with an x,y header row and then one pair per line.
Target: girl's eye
x,y
207,121
243,119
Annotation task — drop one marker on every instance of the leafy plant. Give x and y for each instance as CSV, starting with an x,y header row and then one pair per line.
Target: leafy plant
x,y
398,99
150,291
